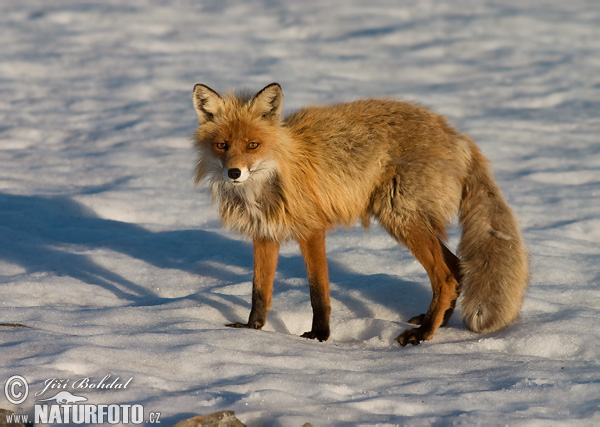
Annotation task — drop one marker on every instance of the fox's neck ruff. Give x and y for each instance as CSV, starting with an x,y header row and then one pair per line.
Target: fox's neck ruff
x,y
257,207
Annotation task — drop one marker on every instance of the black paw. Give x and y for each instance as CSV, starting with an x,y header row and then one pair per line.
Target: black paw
x,y
253,325
319,335
413,336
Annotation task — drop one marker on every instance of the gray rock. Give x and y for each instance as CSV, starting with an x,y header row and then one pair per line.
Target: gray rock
x,y
218,419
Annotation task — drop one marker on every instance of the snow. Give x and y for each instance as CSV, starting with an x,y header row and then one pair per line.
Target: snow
x,y
119,266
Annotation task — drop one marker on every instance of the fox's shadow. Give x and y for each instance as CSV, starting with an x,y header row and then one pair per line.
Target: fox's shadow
x,y
51,234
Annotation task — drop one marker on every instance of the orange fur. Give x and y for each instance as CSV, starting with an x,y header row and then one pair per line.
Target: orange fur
x,y
320,167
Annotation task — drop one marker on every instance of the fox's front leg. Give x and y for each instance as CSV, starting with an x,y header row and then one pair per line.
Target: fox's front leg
x,y
315,257
265,264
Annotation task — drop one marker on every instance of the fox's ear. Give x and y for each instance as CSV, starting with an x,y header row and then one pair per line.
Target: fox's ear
x,y
207,103
268,102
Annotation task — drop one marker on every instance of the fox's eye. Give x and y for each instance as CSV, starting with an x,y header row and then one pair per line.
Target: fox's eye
x,y
221,145
253,145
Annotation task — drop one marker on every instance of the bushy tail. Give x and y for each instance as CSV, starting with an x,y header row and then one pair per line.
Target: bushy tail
x,y
494,259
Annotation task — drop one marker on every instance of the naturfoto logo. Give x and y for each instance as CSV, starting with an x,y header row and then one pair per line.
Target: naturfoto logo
x,y
60,406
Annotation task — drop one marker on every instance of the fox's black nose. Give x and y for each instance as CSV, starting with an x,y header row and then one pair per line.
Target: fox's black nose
x,y
234,173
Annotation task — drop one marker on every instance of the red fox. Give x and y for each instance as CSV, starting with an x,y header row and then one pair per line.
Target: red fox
x,y
295,178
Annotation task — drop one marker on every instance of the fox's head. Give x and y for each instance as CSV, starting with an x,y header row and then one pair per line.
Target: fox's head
x,y
236,134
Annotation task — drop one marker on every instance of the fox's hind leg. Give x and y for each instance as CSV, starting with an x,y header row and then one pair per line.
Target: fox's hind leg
x,y
453,264
417,231
313,250
265,263
425,246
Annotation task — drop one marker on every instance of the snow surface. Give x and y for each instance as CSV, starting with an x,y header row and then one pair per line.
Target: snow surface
x,y
119,265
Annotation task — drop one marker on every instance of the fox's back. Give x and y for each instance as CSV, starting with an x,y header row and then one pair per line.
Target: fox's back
x,y
371,129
